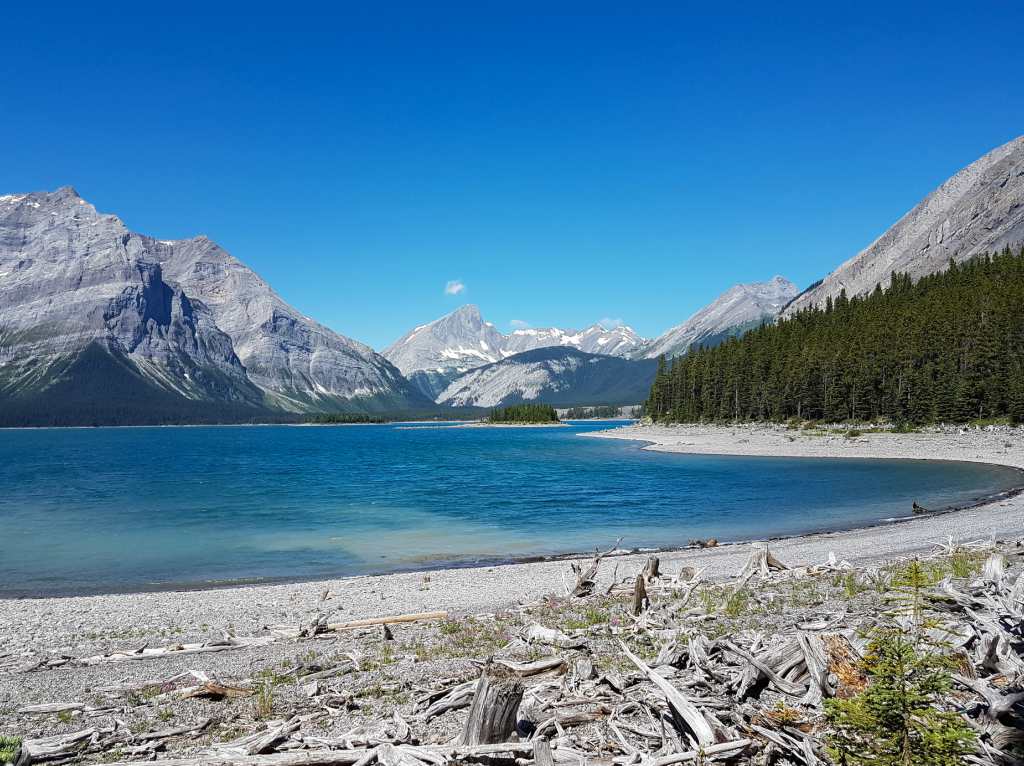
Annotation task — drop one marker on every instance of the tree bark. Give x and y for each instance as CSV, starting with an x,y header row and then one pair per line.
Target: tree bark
x,y
495,706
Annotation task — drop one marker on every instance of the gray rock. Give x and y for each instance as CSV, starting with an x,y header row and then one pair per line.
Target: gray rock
x,y
555,375
435,354
979,209
184,318
738,309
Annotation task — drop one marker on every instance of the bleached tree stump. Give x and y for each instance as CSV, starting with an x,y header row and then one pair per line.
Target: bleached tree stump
x,y
495,706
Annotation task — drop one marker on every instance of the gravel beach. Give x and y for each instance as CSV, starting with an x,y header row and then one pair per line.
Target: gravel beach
x,y
32,630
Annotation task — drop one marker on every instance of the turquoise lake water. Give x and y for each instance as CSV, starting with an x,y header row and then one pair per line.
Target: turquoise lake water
x,y
102,510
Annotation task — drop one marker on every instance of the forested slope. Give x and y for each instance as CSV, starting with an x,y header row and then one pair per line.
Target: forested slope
x,y
948,348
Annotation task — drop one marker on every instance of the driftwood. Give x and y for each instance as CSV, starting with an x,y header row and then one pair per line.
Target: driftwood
x,y
492,715
700,701
536,633
683,708
372,622
349,757
761,562
586,579
542,753
176,650
523,669
54,748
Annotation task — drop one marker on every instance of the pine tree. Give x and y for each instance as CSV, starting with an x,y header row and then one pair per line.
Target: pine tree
x,y
944,348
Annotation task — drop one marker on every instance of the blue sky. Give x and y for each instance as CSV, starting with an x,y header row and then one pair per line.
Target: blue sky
x,y
602,160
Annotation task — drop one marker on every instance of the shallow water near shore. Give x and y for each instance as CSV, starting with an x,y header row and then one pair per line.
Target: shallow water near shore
x,y
109,510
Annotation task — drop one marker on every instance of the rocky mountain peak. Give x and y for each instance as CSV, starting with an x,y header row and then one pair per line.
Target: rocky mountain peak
x,y
979,209
173,313
740,308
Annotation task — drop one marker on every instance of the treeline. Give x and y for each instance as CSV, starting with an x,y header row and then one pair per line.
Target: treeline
x,y
585,413
337,418
524,413
948,348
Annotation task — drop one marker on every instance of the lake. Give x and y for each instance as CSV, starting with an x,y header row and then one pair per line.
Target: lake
x,y
106,510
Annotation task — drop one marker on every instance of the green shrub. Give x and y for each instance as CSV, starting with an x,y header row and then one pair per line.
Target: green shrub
x,y
9,748
895,721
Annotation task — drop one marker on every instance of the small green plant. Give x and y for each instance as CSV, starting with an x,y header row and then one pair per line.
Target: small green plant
x,y
450,628
851,585
165,714
737,603
853,433
964,564
264,699
895,721
65,716
9,748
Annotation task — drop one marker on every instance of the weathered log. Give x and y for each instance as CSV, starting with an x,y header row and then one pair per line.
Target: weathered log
x,y
542,753
175,732
538,634
586,580
816,659
344,757
273,737
177,650
721,749
58,747
780,683
523,669
492,715
53,707
372,622
684,710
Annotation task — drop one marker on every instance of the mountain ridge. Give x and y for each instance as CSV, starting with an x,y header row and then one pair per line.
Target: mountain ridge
x,y
979,208
175,312
555,375
434,354
742,307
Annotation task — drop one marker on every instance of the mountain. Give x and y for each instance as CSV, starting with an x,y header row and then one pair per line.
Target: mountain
x,y
738,309
979,209
556,375
432,355
101,324
596,339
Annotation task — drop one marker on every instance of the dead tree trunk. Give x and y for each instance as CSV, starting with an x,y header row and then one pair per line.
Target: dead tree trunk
x,y
640,600
542,753
652,569
492,715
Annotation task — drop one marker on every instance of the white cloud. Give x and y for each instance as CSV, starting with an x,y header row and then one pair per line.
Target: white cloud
x,y
519,324
454,287
610,324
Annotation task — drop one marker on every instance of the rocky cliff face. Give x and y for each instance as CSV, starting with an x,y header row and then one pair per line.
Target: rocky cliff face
x,y
738,309
979,209
173,321
298,362
556,375
435,354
